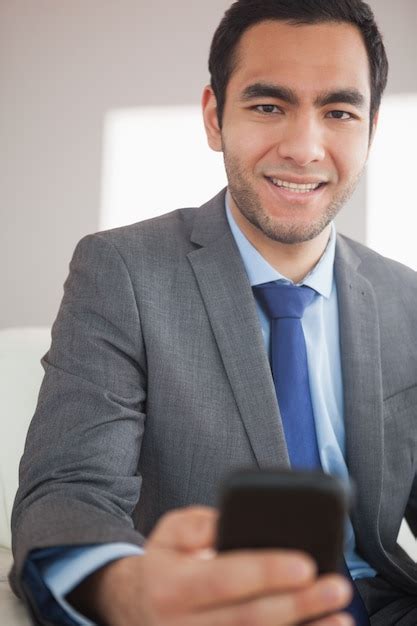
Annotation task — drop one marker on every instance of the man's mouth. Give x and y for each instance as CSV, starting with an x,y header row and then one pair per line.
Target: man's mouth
x,y
306,187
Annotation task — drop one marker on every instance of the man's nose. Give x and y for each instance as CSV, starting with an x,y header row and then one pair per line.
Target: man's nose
x,y
302,141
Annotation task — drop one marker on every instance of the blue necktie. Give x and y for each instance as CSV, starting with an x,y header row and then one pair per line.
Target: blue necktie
x,y
285,305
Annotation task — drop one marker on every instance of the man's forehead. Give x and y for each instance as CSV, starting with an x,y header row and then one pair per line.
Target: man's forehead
x,y
319,36
327,55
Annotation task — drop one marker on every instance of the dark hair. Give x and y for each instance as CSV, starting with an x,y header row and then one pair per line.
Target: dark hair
x,y
246,13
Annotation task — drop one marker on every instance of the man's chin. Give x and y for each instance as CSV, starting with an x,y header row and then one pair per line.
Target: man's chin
x,y
291,234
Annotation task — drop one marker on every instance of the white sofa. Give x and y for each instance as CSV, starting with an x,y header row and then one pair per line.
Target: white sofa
x,y
20,377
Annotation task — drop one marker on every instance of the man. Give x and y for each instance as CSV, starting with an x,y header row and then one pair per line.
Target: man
x,y
158,381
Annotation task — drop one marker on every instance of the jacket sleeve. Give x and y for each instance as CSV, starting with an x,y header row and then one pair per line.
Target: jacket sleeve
x,y
78,477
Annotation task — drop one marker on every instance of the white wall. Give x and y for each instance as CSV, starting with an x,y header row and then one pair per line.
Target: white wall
x,y
398,23
63,65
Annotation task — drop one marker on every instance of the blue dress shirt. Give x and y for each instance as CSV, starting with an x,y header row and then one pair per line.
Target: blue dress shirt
x,y
320,324
57,573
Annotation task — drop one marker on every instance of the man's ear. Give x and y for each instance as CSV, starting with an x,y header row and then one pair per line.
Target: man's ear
x,y
374,127
211,123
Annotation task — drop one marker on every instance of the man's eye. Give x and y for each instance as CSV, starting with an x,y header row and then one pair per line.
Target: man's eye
x,y
268,108
340,115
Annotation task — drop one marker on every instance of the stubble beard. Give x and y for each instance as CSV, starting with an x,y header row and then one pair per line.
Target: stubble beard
x,y
250,205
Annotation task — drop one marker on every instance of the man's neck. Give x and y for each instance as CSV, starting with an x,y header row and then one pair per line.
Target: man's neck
x,y
294,261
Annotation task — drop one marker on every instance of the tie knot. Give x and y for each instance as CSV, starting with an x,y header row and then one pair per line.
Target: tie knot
x,y
282,300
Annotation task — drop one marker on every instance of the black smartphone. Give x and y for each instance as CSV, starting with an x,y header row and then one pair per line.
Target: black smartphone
x,y
291,509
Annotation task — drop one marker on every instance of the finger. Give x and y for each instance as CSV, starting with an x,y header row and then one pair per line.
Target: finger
x,y
339,619
324,596
240,576
188,529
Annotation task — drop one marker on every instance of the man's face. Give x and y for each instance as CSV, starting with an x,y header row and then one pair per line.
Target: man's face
x,y
295,131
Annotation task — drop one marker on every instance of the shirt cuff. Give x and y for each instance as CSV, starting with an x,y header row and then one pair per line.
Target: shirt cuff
x,y
63,573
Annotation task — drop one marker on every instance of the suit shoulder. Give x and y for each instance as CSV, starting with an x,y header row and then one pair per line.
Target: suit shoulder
x,y
168,234
175,223
375,265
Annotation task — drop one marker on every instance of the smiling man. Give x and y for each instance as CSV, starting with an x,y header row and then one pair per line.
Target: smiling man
x,y
295,133
167,368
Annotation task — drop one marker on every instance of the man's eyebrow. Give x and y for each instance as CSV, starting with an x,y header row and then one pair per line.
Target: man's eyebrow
x,y
267,90
279,92
345,96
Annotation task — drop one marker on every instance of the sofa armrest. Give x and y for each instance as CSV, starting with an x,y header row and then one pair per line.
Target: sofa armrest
x,y
12,610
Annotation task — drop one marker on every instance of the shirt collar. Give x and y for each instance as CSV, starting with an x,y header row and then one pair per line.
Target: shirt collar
x,y
259,271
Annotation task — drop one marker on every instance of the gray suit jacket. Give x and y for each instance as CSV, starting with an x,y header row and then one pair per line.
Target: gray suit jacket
x,y
158,384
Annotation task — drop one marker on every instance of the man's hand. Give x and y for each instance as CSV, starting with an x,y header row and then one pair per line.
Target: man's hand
x,y
180,581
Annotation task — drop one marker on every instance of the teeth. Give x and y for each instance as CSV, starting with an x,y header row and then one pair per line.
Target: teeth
x,y
303,188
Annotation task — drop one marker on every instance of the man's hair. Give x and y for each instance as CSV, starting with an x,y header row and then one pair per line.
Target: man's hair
x,y
244,14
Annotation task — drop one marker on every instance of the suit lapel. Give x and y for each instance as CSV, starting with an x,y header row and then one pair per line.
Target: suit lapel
x,y
362,382
231,309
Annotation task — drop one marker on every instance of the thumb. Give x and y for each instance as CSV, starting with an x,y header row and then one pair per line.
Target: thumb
x,y
190,529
